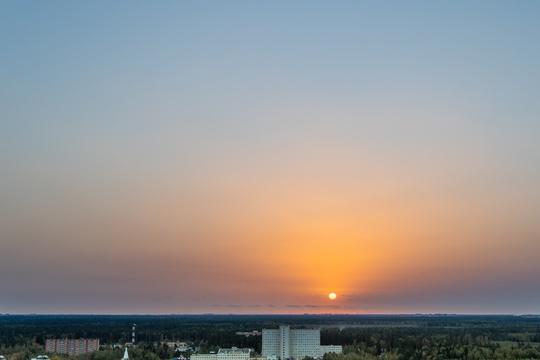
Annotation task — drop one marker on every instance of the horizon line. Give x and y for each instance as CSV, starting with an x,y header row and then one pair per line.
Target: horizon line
x,y
272,314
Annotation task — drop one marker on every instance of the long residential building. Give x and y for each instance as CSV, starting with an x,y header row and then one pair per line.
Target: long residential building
x,y
286,343
224,354
71,347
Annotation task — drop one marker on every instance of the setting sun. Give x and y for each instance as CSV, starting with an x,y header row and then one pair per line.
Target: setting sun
x,y
332,296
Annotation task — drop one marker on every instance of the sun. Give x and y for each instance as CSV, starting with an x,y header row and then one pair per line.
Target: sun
x,y
332,296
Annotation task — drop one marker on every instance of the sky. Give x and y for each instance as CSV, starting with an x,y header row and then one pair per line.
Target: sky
x,y
253,156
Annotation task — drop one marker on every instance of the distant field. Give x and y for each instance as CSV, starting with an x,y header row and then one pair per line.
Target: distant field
x,y
371,326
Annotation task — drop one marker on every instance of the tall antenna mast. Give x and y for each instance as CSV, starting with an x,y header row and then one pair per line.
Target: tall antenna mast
x,y
133,334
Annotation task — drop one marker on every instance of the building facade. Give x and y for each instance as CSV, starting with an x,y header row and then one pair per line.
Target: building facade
x,y
224,354
71,347
331,349
284,343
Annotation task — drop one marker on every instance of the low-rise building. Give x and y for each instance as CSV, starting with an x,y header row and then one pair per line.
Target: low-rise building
x,y
41,357
249,333
224,354
325,349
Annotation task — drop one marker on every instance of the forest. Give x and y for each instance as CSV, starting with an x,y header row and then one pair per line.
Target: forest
x,y
435,337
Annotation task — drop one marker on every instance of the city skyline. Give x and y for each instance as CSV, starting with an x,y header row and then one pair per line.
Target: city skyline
x,y
254,157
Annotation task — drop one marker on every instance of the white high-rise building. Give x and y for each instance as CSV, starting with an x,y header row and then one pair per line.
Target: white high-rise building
x,y
284,343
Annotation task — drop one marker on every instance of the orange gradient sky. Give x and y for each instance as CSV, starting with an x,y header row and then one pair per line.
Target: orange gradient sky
x,y
254,157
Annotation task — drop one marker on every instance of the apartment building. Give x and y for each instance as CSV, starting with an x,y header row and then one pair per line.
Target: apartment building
x,y
71,347
286,343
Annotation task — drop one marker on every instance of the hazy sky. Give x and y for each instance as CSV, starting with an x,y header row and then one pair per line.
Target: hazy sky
x,y
253,156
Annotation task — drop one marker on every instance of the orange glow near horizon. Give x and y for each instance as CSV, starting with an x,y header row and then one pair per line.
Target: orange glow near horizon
x,y
310,238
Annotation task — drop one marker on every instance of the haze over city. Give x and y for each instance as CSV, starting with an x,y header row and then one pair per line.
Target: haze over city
x,y
254,157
